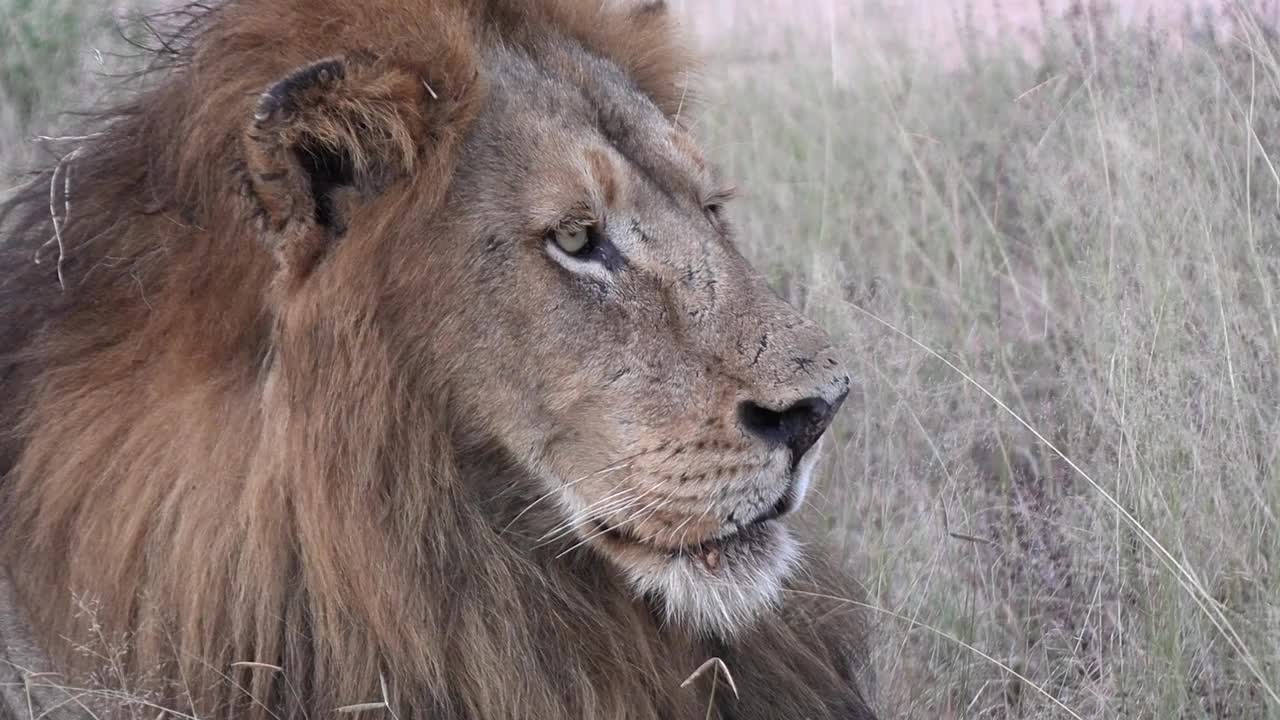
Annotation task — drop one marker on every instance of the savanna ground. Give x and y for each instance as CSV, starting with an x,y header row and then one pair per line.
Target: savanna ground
x,y
1047,236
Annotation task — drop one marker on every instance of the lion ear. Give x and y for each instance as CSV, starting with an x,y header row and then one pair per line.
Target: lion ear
x,y
328,137
648,41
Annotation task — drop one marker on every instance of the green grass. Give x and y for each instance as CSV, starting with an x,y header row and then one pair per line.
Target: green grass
x,y
59,58
42,62
1093,238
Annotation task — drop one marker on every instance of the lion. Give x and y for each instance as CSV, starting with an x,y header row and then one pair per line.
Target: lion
x,y
396,354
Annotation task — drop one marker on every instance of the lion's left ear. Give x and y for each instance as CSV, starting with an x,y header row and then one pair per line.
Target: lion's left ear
x,y
650,44
332,135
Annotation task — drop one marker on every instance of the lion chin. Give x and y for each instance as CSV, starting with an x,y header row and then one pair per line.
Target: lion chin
x,y
720,586
717,586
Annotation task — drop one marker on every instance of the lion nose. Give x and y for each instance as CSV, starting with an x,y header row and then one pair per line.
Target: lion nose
x,y
797,426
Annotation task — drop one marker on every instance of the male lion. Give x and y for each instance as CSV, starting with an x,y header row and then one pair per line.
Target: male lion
x,y
397,352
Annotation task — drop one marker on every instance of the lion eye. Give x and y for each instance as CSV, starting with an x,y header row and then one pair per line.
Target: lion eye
x,y
575,241
714,207
715,215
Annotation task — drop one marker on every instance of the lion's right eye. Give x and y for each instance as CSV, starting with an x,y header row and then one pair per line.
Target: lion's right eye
x,y
573,242
583,248
576,241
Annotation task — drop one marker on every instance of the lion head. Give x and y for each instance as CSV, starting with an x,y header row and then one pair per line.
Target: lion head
x,y
625,355
391,330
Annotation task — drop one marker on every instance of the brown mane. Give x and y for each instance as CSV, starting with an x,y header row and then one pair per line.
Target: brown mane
x,y
214,518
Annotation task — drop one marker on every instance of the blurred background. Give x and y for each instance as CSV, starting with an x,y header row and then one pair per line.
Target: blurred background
x,y
1046,235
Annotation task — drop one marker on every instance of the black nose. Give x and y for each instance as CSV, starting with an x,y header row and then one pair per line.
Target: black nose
x,y
798,426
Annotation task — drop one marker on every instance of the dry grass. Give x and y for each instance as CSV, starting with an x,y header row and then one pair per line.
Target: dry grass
x,y
1058,282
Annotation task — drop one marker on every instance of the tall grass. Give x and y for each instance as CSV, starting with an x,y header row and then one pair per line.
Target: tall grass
x,y
1092,237
57,58
1057,277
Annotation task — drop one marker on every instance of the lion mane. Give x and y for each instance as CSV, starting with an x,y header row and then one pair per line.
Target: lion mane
x,y
283,545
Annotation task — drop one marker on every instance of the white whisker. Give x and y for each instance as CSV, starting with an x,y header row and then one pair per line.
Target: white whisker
x,y
596,510
613,468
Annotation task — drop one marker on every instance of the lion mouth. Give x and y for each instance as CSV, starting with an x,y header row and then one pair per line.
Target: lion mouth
x,y
708,553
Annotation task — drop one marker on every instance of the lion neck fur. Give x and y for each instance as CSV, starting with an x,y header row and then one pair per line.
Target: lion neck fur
x,y
327,517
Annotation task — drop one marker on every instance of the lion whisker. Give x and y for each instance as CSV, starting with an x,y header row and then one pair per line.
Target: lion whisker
x,y
591,508
658,502
666,497
581,542
613,468
602,508
594,508
622,507
653,537
646,512
705,512
680,529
